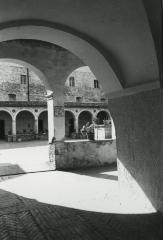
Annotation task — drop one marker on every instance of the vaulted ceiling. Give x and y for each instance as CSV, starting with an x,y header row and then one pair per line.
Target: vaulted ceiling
x,y
126,33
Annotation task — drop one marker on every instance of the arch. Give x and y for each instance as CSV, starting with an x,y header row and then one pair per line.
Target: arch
x,y
102,115
5,123
6,110
78,46
31,67
40,112
25,122
69,123
84,117
22,110
43,122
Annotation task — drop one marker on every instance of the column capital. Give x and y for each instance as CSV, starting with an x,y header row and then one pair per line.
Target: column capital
x,y
49,95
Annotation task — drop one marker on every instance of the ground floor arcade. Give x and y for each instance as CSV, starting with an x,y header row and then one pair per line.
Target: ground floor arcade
x,y
29,121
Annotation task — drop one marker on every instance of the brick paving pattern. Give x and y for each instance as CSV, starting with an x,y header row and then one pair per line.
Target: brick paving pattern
x,y
23,218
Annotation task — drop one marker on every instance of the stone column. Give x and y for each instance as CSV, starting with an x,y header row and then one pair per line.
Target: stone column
x,y
113,134
51,137
14,129
50,105
36,127
76,124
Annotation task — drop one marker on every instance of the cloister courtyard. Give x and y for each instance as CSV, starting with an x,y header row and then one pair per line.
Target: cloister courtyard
x,y
81,119
77,204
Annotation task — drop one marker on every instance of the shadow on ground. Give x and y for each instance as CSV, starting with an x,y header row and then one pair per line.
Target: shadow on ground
x,y
14,145
8,171
23,218
105,172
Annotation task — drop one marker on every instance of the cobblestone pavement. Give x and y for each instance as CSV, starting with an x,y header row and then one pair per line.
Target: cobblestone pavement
x,y
28,210
22,218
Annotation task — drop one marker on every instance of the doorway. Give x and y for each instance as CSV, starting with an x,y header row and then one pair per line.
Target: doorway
x,y
40,125
2,129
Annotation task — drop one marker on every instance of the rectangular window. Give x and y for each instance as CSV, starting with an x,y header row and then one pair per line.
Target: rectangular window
x,y
78,99
72,82
12,97
23,79
96,83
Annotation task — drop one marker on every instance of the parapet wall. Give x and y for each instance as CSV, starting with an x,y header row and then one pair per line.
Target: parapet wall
x,y
82,154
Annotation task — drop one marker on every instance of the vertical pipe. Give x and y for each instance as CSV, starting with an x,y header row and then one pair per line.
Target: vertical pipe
x,y
28,98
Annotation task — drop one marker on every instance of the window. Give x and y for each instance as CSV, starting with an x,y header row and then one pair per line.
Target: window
x,y
72,82
23,79
103,99
78,99
12,97
96,83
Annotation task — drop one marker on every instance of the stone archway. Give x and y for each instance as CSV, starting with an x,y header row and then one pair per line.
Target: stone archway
x,y
5,124
83,118
43,122
102,116
78,46
25,124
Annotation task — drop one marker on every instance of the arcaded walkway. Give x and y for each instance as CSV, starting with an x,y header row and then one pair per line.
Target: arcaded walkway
x,y
71,206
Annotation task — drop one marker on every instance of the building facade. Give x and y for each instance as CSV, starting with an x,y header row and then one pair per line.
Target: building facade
x,y
23,107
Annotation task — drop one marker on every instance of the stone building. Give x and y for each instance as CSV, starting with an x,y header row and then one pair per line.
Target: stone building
x,y
23,108
121,42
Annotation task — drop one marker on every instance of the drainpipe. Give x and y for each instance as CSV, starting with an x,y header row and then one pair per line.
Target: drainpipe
x,y
28,85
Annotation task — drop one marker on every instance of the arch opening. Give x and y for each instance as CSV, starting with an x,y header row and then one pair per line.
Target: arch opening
x,y
69,124
102,116
78,46
84,118
25,124
5,124
43,125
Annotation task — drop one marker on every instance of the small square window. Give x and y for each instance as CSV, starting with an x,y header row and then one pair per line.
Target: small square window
x,y
12,97
23,79
78,99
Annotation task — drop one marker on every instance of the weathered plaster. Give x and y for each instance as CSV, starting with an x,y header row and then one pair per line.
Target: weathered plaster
x,y
139,123
78,154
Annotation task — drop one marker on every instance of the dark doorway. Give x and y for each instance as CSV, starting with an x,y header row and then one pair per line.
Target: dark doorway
x,y
69,124
40,125
2,129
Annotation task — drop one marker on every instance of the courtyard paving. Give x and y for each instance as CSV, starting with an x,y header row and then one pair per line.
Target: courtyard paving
x,y
24,157
83,204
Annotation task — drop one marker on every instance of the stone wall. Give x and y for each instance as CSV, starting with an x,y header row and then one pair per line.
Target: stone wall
x,y
84,87
81,154
10,83
139,122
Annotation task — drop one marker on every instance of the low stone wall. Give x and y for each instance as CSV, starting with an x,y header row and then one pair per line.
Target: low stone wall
x,y
82,154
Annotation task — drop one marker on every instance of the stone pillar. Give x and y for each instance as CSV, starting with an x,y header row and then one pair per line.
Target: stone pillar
x,y
139,123
14,129
76,124
50,105
113,134
51,137
36,127
59,119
